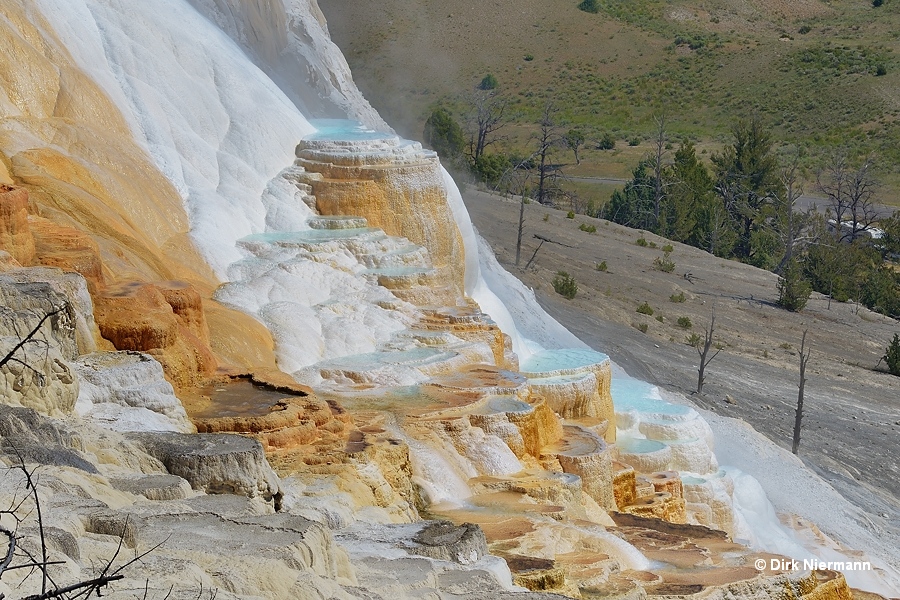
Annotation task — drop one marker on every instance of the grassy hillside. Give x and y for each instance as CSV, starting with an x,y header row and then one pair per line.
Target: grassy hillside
x,y
820,74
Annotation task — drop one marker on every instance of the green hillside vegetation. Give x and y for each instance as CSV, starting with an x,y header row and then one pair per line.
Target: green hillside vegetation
x,y
715,116
821,75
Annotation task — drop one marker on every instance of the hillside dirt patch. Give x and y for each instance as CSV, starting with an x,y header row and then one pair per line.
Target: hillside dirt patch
x,y
851,424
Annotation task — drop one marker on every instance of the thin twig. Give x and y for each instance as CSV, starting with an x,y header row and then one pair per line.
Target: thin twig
x,y
30,335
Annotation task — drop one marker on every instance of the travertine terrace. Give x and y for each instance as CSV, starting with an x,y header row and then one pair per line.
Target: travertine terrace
x,y
260,346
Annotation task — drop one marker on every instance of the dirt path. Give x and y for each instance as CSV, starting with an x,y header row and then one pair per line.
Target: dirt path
x,y
851,432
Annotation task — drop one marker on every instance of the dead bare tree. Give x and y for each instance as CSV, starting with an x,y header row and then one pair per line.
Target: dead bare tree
x,y
16,556
658,164
543,239
798,418
851,195
547,138
703,351
520,179
792,227
485,119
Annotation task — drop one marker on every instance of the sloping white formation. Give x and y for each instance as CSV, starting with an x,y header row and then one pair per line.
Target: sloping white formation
x,y
212,121
792,488
126,391
289,41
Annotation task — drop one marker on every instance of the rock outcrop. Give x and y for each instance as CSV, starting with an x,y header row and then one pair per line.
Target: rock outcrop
x,y
15,234
216,464
126,391
395,184
165,321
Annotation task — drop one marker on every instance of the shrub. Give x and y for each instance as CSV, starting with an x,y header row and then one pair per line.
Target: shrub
x,y
652,244
490,168
660,318
668,248
589,6
601,266
444,135
635,141
641,242
892,356
588,228
529,57
565,285
570,214
685,322
804,30
488,83
793,289
645,309
546,217
679,297
695,339
607,142
664,264
877,3
880,70
642,327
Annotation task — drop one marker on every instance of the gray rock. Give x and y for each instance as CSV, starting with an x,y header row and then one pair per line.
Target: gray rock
x,y
127,391
214,463
154,487
468,582
117,524
33,438
463,544
57,539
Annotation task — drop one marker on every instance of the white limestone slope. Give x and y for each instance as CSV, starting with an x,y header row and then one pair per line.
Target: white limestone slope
x,y
211,120
289,41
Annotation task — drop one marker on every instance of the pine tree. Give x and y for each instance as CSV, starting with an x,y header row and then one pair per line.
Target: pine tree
x,y
892,356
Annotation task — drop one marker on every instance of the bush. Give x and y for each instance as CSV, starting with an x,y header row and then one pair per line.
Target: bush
x,y
601,266
804,30
660,318
695,339
589,6
565,285
642,327
679,297
490,168
668,248
570,214
529,57
488,83
685,322
607,142
635,141
588,228
645,309
793,289
546,217
664,264
444,135
880,70
892,356
877,3
641,242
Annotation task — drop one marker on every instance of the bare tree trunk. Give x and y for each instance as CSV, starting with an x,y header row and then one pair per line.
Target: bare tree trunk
x,y
521,228
658,166
705,359
804,359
